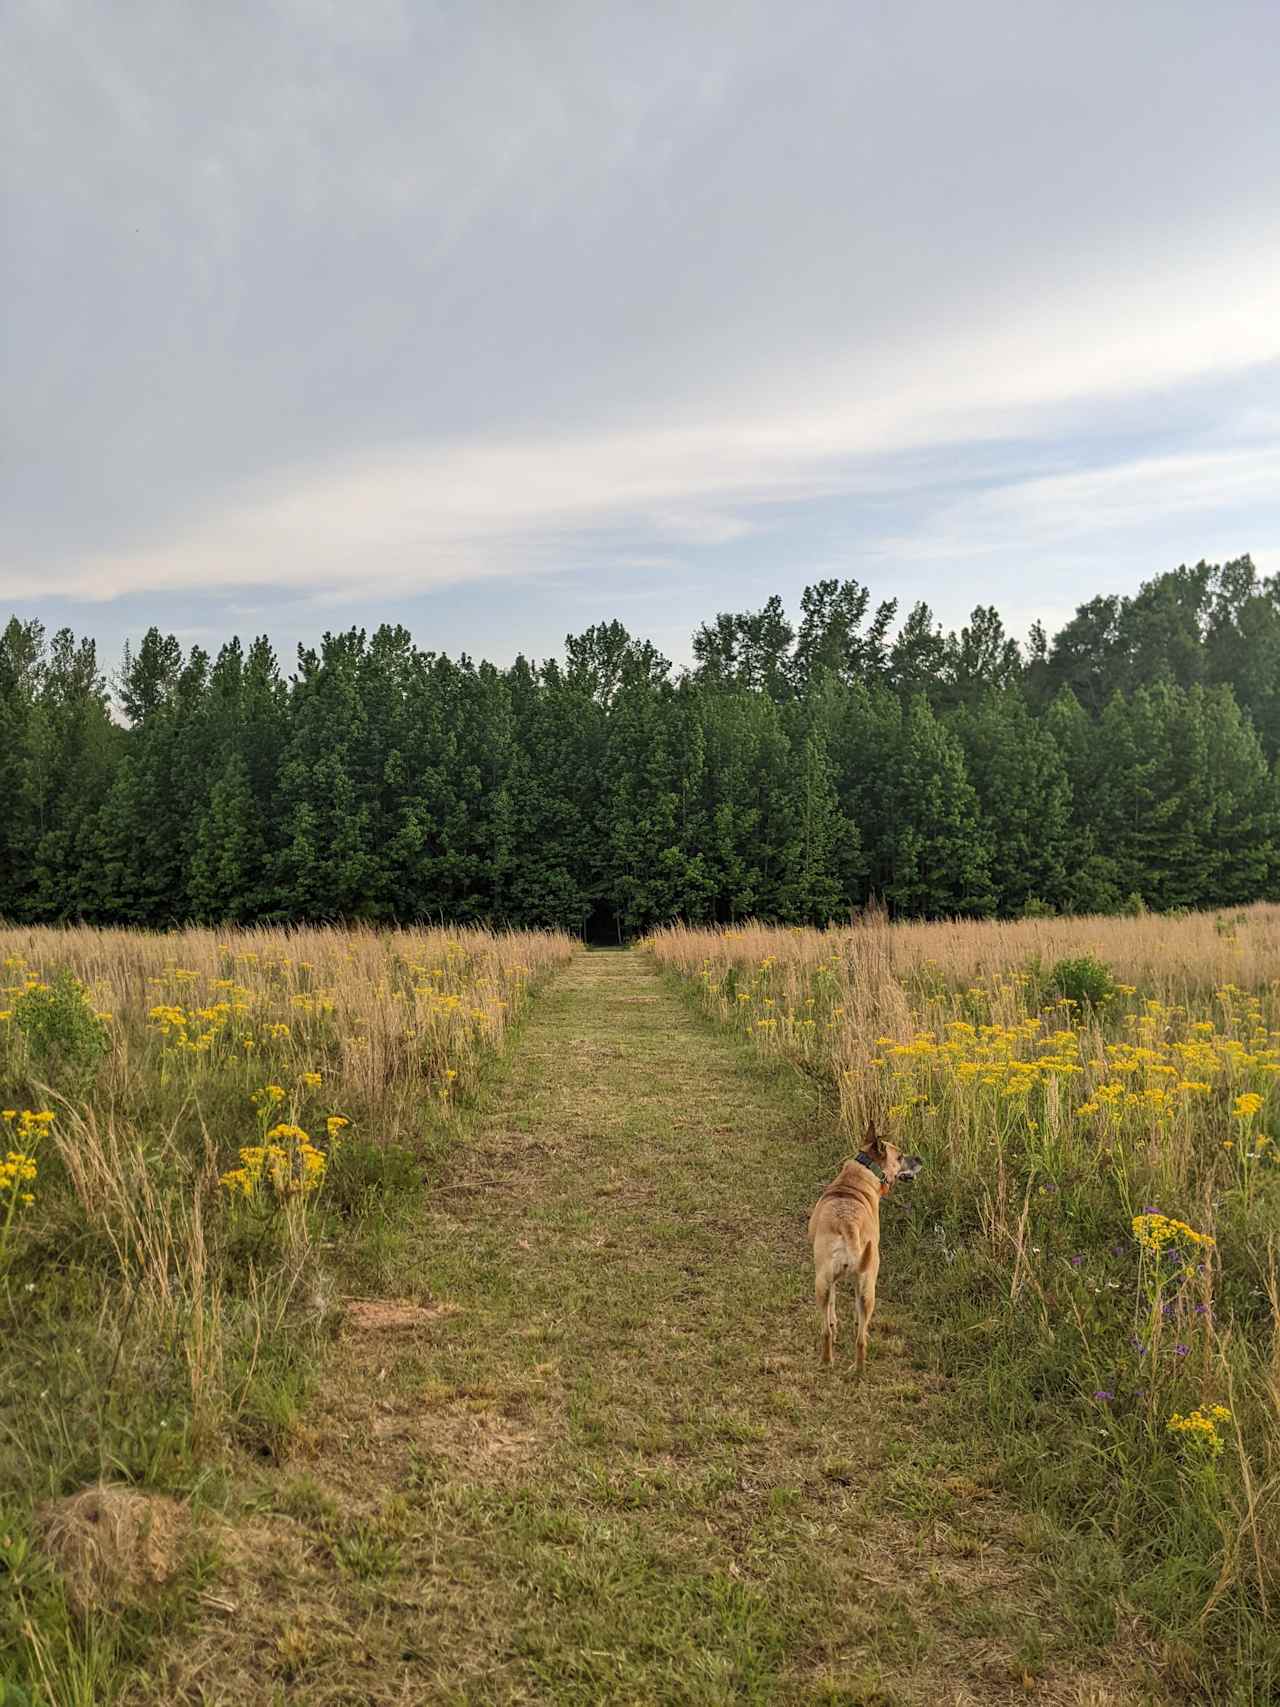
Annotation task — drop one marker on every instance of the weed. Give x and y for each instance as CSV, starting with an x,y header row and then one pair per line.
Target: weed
x,y
66,1038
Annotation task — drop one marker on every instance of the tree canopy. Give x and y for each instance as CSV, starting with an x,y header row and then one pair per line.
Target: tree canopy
x,y
796,771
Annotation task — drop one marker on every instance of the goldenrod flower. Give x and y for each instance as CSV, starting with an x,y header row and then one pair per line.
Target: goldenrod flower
x,y
1153,1232
1200,1427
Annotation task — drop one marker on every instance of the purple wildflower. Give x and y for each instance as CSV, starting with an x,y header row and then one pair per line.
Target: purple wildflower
x,y
1104,1394
1181,1350
1076,1261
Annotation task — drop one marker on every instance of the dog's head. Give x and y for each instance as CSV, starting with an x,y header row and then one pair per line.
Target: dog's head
x,y
893,1162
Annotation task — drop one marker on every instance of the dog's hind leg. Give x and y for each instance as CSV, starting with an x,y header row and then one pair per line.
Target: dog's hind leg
x,y
865,1304
824,1286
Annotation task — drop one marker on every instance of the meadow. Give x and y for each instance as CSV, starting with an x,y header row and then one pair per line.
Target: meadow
x,y
387,1297
212,1139
1091,1250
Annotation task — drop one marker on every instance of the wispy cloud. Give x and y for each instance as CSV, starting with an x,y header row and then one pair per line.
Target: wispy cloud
x,y
1063,511
436,515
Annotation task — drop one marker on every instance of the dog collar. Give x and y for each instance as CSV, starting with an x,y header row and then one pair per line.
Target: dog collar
x,y
864,1161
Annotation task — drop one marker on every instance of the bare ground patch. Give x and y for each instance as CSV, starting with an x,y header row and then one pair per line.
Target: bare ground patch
x,y
391,1315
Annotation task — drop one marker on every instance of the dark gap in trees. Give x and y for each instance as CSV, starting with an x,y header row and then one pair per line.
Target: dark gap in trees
x,y
603,928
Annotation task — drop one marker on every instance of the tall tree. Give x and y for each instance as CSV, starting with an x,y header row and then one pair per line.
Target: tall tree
x,y
939,847
829,639
751,649
1023,789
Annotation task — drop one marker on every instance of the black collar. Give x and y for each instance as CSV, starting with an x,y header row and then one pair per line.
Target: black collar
x,y
864,1161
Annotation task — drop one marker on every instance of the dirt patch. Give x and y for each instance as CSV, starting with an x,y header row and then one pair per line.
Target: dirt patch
x,y
113,1544
480,1441
392,1315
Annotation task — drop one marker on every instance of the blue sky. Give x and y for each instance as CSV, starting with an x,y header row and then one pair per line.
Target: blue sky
x,y
501,320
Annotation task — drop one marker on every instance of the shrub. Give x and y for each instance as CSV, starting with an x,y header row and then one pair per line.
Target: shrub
x,y
1034,908
65,1038
1084,980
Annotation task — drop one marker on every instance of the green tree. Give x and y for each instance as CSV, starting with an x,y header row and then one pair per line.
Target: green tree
x,y
1023,789
1242,644
918,655
1242,831
829,640
230,866
820,849
749,649
938,846
980,658
1092,884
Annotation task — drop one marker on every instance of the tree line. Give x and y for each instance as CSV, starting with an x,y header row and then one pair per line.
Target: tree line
x,y
796,771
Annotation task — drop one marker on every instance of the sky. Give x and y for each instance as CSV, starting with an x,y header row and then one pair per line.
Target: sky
x,y
500,319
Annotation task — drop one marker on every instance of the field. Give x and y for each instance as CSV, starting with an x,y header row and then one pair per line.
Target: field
x,y
436,1310
1095,1233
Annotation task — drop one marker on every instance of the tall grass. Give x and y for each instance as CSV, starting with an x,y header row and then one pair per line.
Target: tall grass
x,y
158,1322
1094,1239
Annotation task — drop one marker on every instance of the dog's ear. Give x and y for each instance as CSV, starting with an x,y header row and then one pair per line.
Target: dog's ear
x,y
873,1143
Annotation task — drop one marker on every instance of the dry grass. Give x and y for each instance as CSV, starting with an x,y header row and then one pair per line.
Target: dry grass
x,y
1049,1124
1175,958
113,1545
389,1013
159,1325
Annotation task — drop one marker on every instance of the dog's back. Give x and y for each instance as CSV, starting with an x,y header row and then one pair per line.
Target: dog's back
x,y
840,1217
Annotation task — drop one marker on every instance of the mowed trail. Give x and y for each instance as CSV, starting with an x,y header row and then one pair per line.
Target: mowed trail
x,y
605,1465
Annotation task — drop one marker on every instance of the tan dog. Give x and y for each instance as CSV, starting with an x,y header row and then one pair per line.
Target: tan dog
x,y
844,1230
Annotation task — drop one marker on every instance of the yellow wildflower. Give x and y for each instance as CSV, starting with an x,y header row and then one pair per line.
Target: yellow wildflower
x,y
1153,1232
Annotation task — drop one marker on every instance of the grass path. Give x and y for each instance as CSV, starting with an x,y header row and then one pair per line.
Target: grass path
x,y
605,1466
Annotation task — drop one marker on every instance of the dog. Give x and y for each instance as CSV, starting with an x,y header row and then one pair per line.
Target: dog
x,y
844,1230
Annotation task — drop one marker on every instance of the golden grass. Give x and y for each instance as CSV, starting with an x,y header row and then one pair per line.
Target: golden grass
x,y
1172,957
389,1013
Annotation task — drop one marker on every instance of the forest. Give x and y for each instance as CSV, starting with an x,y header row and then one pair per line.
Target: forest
x,y
796,771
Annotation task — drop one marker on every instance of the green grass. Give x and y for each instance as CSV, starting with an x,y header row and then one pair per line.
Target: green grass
x,y
616,1471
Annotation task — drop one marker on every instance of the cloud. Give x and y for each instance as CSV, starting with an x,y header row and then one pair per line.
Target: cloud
x,y
1060,513
433,514
354,302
